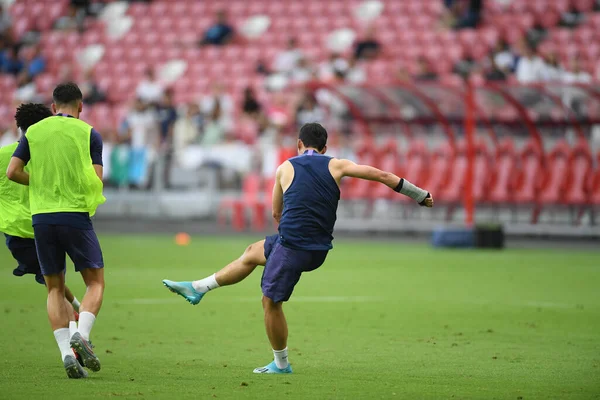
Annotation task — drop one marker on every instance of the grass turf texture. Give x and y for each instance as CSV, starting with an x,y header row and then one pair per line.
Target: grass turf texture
x,y
378,320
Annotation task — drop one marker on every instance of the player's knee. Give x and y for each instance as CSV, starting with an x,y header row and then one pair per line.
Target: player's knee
x,y
269,304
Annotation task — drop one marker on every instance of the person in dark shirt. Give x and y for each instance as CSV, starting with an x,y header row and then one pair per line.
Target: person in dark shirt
x,y
251,105
220,33
167,116
367,48
11,63
305,201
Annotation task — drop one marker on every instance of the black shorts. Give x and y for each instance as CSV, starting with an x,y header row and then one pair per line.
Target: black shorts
x,y
55,242
23,250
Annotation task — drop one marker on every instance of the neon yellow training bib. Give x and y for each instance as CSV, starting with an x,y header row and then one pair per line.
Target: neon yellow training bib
x,y
15,216
61,175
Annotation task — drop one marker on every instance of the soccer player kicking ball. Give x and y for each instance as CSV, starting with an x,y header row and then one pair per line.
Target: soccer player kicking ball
x,y
305,200
15,216
64,158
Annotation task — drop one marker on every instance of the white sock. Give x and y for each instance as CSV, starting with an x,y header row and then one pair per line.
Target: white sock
x,y
206,284
281,358
86,323
76,304
63,340
72,328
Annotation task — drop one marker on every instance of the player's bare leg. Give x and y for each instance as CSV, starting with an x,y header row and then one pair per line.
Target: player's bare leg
x,y
277,331
90,306
72,299
58,314
234,272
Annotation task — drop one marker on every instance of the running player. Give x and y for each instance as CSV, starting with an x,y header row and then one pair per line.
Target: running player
x,y
15,216
65,188
305,200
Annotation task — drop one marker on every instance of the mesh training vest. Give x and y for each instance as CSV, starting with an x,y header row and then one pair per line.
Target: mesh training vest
x,y
15,216
62,178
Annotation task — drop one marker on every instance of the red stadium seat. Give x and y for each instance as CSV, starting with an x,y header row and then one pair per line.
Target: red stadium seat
x,y
504,173
594,183
580,165
530,179
440,169
557,175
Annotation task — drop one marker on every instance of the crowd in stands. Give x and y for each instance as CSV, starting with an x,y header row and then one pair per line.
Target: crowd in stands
x,y
154,124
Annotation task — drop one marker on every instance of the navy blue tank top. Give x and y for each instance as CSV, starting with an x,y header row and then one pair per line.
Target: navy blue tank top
x,y
309,204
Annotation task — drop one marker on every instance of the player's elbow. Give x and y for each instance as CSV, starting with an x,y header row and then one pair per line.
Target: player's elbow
x,y
276,216
11,173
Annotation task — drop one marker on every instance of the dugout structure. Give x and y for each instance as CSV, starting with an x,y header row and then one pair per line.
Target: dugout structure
x,y
526,156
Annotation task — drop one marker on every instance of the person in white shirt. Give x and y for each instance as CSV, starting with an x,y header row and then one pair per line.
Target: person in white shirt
x,y
303,72
553,71
218,95
288,59
504,59
355,73
149,90
531,67
575,74
142,130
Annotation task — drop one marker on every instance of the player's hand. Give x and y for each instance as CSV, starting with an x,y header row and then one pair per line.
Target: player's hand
x,y
428,202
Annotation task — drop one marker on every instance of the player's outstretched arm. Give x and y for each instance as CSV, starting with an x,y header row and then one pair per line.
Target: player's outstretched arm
x,y
16,171
344,168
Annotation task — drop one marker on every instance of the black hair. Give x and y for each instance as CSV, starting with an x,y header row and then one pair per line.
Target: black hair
x,y
67,94
313,135
31,113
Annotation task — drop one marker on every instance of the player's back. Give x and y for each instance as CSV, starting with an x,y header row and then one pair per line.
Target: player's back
x,y
15,217
309,204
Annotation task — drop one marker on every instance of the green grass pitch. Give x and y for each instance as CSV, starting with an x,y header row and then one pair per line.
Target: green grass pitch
x,y
377,321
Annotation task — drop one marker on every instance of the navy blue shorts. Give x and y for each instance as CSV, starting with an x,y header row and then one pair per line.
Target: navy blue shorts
x,y
284,268
23,250
54,242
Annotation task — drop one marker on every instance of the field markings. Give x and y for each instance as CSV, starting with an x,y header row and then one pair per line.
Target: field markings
x,y
256,299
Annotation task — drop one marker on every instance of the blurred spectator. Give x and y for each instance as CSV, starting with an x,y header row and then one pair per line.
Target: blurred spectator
x,y
220,97
287,60
9,136
494,72
26,90
575,74
141,128
187,129
462,13
217,126
355,73
5,22
303,72
149,90
335,64
504,59
167,116
552,69
251,106
37,63
530,67
92,93
262,68
367,48
220,33
425,72
74,20
81,5
309,111
11,63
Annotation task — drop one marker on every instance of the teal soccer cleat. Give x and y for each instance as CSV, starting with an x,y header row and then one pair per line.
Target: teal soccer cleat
x,y
272,369
185,290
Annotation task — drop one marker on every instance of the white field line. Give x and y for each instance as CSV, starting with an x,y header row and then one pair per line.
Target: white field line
x,y
298,299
